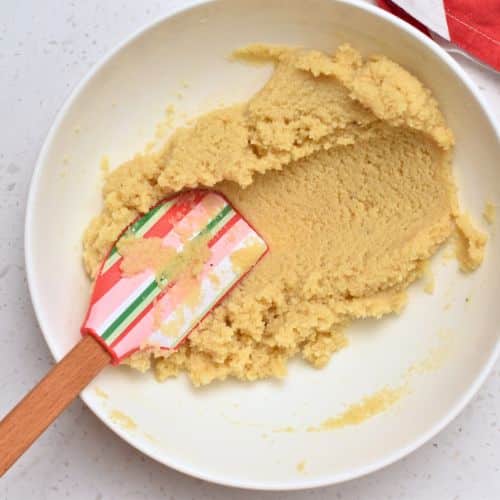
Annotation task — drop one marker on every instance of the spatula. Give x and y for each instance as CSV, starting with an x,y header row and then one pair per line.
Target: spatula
x,y
207,248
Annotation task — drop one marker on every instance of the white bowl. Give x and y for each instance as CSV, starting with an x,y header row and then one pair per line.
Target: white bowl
x,y
227,433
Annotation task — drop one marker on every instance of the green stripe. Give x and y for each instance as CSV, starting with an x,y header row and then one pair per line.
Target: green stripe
x,y
209,228
137,225
132,311
143,225
114,256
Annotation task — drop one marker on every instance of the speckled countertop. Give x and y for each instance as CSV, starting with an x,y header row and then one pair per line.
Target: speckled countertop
x,y
45,49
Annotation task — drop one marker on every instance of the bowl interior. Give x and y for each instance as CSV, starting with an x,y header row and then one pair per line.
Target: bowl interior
x,y
230,432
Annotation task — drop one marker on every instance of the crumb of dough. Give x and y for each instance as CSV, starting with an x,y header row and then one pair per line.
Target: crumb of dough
x,y
102,394
357,413
470,244
150,438
301,466
343,165
122,420
489,212
214,279
171,329
288,428
244,258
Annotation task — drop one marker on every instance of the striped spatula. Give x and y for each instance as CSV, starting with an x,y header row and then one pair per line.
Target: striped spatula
x,y
144,299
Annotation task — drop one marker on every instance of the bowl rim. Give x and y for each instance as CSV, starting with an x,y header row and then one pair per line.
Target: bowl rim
x,y
177,7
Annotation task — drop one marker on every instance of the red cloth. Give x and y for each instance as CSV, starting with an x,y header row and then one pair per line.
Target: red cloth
x,y
473,25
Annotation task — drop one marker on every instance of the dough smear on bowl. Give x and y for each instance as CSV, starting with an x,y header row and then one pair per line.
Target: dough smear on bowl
x,y
343,165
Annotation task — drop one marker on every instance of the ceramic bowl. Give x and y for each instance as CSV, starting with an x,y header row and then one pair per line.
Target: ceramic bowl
x,y
234,433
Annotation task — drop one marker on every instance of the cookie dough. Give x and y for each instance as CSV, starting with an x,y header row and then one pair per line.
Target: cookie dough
x,y
343,165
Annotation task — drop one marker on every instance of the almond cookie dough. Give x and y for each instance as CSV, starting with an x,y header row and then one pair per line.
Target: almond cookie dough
x,y
343,165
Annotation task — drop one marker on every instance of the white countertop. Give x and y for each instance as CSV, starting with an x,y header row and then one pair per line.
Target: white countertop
x,y
45,49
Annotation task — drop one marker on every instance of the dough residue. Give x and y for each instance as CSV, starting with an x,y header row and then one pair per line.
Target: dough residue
x,y
429,279
367,408
435,357
122,420
489,212
343,165
142,254
301,466
244,258
470,244
167,263
102,394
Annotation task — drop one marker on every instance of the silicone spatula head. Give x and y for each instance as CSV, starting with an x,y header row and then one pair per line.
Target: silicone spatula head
x,y
168,270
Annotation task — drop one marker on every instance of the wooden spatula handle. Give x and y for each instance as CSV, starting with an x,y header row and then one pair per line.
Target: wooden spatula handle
x,y
40,407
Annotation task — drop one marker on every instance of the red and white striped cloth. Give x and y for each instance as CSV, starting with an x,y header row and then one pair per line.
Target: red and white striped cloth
x,y
471,25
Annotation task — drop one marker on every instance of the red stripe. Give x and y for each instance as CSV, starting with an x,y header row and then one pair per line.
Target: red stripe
x,y
106,281
231,222
182,207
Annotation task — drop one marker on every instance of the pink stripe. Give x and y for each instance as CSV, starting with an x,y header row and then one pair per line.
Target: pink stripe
x,y
115,297
194,221
143,330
